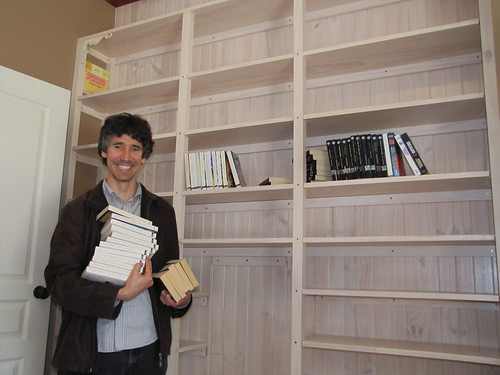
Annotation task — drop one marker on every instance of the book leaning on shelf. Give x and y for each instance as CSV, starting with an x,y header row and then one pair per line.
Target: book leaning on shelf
x,y
126,239
178,278
96,79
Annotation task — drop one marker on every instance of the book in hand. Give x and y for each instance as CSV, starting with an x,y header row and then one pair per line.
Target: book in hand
x,y
410,152
274,180
126,239
178,278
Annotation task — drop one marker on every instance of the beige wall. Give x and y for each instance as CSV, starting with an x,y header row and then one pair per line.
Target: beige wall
x,y
38,37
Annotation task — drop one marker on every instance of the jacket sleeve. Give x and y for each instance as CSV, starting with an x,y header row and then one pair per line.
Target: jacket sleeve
x,y
71,248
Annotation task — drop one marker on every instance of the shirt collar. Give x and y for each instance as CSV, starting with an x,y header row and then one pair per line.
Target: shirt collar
x,y
111,195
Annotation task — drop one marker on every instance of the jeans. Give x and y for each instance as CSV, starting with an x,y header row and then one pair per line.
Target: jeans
x,y
140,361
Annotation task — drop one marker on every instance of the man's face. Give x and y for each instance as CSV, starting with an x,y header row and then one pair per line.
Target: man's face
x,y
124,158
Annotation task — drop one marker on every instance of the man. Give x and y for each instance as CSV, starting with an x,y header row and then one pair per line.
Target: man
x,y
109,329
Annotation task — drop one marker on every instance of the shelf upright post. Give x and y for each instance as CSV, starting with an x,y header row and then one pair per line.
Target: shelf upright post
x,y
74,123
492,109
181,147
299,141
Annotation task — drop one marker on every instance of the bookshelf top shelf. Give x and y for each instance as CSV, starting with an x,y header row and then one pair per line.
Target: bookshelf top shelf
x,y
410,47
156,32
221,16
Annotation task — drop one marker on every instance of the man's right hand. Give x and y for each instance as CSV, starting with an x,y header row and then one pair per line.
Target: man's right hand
x,y
136,282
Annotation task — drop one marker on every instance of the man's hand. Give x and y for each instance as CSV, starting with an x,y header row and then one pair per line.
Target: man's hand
x,y
137,282
167,299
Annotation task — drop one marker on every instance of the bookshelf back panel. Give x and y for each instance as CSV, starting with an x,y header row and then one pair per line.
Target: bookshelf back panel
x,y
162,122
273,223
146,69
412,219
440,322
158,177
226,50
195,324
251,317
212,112
445,274
398,88
355,22
322,362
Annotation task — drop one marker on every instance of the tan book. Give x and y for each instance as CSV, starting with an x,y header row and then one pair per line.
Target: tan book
x,y
189,273
165,276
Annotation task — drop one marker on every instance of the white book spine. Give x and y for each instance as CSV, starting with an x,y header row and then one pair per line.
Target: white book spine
x,y
387,153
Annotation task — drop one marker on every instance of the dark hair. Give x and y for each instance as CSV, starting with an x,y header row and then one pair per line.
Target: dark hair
x,y
125,123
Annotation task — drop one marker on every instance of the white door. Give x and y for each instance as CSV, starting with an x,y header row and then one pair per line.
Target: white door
x,y
33,125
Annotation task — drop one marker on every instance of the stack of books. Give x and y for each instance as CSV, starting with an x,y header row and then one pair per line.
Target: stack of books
x,y
317,166
126,240
178,278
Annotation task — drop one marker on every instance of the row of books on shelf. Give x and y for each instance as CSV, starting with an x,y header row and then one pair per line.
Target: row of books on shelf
x,y
128,239
214,169
364,156
354,157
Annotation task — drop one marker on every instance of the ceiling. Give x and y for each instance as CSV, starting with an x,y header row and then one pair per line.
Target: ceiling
x,y
119,3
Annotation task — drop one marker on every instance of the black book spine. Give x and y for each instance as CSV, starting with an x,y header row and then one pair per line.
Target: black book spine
x,y
340,160
365,156
361,157
383,162
355,156
371,156
346,159
331,158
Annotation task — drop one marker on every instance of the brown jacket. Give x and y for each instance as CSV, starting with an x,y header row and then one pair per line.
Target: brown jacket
x,y
82,301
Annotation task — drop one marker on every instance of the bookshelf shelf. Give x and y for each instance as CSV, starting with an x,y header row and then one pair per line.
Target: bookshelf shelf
x,y
273,130
404,348
236,242
155,33
400,49
133,97
392,294
193,348
442,240
244,194
268,72
400,185
407,114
